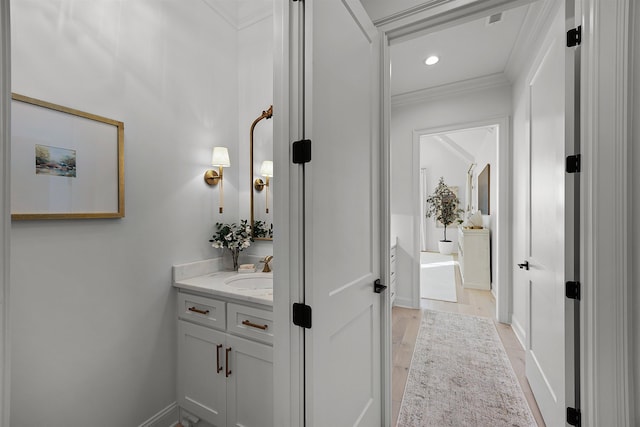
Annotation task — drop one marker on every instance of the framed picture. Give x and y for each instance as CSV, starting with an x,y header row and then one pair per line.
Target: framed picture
x,y
65,163
484,190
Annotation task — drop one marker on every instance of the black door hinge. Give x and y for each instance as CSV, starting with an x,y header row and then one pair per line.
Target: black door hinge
x,y
572,290
573,163
573,417
302,151
302,315
378,287
574,36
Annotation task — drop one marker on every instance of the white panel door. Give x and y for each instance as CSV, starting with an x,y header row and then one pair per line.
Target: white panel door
x,y
342,233
545,359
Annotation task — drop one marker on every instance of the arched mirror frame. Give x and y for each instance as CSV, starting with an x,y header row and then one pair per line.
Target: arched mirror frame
x,y
265,115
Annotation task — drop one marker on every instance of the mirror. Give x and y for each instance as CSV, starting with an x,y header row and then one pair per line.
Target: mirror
x,y
261,166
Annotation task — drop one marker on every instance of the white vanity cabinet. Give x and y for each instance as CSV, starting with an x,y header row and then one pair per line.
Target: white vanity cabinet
x,y
474,258
225,361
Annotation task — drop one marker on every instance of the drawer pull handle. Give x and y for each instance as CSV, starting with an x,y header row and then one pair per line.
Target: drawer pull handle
x,y
218,367
254,325
228,371
195,310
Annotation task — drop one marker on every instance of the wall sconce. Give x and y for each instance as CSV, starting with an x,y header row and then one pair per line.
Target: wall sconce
x,y
266,170
219,158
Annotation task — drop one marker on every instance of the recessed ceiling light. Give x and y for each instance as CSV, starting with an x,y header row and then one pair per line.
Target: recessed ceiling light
x,y
432,60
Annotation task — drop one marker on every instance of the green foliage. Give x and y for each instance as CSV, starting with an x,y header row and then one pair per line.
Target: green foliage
x,y
260,229
233,236
443,206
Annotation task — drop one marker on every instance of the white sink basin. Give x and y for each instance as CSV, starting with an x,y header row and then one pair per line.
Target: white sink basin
x,y
251,281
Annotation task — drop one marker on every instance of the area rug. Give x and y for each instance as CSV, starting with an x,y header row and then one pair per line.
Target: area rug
x,y
437,276
460,376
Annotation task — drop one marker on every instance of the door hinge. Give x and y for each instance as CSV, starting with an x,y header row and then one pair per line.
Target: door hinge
x,y
574,36
573,163
302,151
573,417
378,287
572,290
302,315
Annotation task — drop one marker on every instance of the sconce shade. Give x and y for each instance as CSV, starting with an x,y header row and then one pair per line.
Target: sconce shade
x,y
267,168
220,157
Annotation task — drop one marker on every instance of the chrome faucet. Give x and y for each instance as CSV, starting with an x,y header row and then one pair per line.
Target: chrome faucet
x,y
267,260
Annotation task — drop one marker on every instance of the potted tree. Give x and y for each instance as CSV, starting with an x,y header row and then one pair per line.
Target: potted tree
x,y
443,206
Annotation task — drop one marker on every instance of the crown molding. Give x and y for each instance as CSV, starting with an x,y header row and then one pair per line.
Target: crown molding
x,y
409,12
444,91
240,17
537,21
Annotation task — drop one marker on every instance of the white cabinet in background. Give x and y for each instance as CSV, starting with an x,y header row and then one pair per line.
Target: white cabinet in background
x,y
225,379
474,258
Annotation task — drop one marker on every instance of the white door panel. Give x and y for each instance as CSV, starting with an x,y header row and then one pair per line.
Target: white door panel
x,y
545,361
342,253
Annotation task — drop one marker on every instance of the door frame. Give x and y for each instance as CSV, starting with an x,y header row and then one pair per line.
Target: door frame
x,y
502,283
288,126
5,210
606,316
607,353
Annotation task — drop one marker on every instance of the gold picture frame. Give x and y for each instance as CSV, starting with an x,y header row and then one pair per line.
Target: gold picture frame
x,y
66,163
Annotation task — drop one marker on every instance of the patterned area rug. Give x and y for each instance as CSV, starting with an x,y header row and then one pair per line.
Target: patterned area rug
x,y
460,376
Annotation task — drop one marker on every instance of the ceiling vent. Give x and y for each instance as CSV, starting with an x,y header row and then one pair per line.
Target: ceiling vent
x,y
497,17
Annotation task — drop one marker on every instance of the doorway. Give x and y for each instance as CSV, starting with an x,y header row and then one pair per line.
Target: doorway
x,y
423,111
466,159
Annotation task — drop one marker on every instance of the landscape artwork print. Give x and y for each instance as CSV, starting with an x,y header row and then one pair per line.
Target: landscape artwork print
x,y
55,161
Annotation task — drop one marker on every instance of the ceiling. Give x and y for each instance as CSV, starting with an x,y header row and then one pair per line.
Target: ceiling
x,y
463,143
471,50
241,13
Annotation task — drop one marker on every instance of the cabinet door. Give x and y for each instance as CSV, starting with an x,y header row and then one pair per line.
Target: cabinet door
x,y
250,383
201,388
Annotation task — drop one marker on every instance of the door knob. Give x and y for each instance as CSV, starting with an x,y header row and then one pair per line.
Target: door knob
x,y
524,265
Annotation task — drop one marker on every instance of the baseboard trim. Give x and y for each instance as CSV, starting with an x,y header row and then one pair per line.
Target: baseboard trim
x,y
167,417
403,302
519,331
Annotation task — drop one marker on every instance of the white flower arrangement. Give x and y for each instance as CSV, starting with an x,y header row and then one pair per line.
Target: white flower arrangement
x,y
234,237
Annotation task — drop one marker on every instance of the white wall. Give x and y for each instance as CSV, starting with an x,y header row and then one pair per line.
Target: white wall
x,y
255,73
405,119
255,65
93,311
440,161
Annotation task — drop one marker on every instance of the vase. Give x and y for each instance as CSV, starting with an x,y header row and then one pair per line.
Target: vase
x,y
445,247
235,253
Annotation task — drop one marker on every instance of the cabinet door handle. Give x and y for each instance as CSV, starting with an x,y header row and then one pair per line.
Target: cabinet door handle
x,y
226,362
524,265
218,367
195,310
255,325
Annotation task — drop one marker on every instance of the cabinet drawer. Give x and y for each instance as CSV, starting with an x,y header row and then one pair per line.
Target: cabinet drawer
x,y
205,311
250,322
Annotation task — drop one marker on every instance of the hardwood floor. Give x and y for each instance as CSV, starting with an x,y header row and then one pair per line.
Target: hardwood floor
x,y
406,323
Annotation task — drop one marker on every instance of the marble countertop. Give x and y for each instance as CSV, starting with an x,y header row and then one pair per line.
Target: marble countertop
x,y
214,284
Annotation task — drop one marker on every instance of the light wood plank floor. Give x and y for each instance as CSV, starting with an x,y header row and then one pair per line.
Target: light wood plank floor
x,y
406,323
